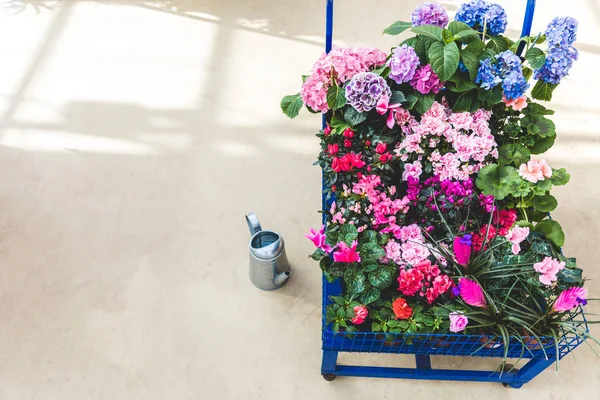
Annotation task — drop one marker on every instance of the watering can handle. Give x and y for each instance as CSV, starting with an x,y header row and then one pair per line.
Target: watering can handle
x,y
253,223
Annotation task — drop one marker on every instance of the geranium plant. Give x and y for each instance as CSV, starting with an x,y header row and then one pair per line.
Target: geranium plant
x,y
439,198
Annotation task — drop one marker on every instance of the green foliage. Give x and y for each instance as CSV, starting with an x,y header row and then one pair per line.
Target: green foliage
x,y
369,295
424,102
397,28
559,177
291,105
336,97
463,102
462,32
552,231
471,62
444,59
497,44
355,281
543,144
370,252
490,97
447,36
318,255
545,203
354,117
535,57
537,124
338,125
513,153
431,31
421,45
543,90
382,277
495,180
348,233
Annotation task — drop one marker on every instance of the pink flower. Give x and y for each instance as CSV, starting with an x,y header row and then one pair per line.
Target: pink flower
x,y
380,148
535,170
471,293
425,80
517,104
333,148
410,281
415,170
346,254
458,321
348,133
549,267
360,314
462,249
516,235
318,238
570,299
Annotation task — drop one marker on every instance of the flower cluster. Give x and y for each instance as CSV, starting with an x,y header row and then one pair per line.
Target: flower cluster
x,y
426,81
403,64
365,89
409,247
504,68
560,34
548,268
424,279
339,64
430,14
479,14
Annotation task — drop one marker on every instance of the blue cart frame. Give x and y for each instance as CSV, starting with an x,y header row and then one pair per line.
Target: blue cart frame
x,y
541,354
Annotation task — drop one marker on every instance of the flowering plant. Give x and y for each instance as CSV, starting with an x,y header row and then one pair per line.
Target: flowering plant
x,y
438,201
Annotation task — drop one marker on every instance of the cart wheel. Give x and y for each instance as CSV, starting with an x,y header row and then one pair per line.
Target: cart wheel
x,y
329,377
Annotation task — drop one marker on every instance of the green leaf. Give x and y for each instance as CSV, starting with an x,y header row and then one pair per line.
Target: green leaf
x,y
513,153
403,325
491,97
539,125
431,31
318,255
421,46
291,105
476,47
542,248
397,97
444,59
397,28
559,177
471,62
354,117
536,57
462,32
463,86
370,252
348,233
411,100
541,187
535,108
447,36
382,277
519,188
571,276
463,102
527,73
552,230
424,102
542,144
338,124
543,90
497,44
545,203
370,295
368,236
336,97
456,26
495,180
355,281
371,266
376,327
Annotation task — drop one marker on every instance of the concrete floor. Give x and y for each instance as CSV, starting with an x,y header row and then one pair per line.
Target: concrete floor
x,y
134,135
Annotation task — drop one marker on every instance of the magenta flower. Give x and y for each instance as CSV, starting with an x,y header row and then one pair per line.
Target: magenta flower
x,y
458,321
471,293
346,254
570,299
360,314
425,80
318,238
462,249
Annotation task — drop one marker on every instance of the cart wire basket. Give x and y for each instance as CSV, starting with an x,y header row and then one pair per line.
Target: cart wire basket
x,y
541,354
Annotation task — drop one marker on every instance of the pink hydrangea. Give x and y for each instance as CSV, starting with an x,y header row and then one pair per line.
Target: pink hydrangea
x,y
426,81
548,268
535,170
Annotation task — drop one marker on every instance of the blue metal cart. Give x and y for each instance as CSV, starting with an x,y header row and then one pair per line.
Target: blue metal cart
x,y
423,346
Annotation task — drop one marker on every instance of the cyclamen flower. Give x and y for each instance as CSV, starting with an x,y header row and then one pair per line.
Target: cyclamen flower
x,y
403,64
426,81
548,268
365,89
318,239
561,32
360,314
516,235
477,13
346,254
401,309
535,170
458,321
570,299
558,64
471,293
430,14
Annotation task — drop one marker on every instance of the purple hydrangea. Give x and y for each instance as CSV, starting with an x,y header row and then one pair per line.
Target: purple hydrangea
x,y
504,68
558,63
426,81
430,14
365,89
561,32
478,13
403,63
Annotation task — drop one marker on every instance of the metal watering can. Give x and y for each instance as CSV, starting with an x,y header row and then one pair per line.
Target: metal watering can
x,y
269,267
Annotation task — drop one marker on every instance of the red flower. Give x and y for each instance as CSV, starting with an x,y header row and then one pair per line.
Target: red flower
x,y
380,148
410,281
327,130
401,309
333,148
367,143
478,238
385,158
348,133
347,162
504,219
347,143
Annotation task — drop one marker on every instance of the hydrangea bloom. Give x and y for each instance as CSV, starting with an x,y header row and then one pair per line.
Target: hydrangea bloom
x,y
487,75
364,90
430,14
339,64
558,64
403,64
425,80
561,32
504,68
479,12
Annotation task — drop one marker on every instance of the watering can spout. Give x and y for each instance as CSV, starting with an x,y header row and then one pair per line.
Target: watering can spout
x,y
281,278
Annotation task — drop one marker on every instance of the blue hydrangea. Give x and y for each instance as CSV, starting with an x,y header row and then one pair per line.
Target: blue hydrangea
x,y
561,32
487,75
479,12
514,85
558,63
461,67
508,61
